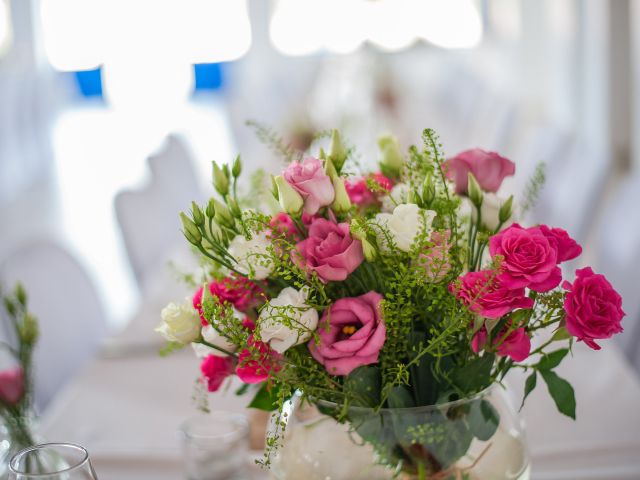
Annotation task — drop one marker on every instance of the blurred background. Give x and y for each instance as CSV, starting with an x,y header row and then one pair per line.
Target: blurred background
x,y
112,110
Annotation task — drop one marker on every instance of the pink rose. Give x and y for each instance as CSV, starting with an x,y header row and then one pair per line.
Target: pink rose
x,y
282,226
516,345
530,259
436,260
567,247
257,362
354,335
593,307
489,168
11,385
484,293
242,293
330,251
311,182
359,192
215,370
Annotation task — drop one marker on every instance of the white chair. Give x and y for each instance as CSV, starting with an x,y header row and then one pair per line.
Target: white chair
x,y
148,217
61,295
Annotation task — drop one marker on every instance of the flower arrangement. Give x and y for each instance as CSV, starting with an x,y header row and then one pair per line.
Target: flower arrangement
x,y
405,287
16,401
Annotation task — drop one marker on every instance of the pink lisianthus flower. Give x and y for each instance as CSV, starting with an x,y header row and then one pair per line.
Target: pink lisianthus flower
x,y
311,182
593,307
255,370
436,260
529,258
215,370
352,335
489,168
359,192
330,251
282,225
516,345
484,293
242,293
11,385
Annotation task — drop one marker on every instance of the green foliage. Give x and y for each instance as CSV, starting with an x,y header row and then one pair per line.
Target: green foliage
x,y
529,385
562,393
533,188
266,398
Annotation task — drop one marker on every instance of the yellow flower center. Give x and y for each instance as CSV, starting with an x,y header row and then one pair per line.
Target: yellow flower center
x,y
348,329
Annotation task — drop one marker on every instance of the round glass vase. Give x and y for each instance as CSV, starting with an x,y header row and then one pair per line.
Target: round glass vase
x,y
476,438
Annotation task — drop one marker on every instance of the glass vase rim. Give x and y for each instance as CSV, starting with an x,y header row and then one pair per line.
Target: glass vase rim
x,y
420,408
228,437
79,464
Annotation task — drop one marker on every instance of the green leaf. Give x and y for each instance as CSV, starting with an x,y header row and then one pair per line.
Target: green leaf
x,y
363,384
529,385
475,375
169,348
266,398
400,397
243,389
560,334
483,420
562,393
551,360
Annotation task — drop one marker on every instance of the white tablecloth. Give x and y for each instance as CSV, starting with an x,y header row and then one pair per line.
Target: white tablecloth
x,y
126,408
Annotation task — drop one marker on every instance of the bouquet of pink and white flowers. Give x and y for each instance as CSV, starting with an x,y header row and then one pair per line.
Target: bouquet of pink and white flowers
x,y
405,287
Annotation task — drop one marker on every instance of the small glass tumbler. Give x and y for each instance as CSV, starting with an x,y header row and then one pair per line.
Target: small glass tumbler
x,y
52,461
215,446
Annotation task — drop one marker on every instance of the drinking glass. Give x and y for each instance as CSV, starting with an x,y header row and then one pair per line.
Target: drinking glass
x,y
52,461
215,446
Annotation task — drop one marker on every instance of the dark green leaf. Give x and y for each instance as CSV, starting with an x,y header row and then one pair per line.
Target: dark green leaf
x,y
400,397
562,393
483,420
560,334
475,375
363,384
243,389
422,379
552,360
266,398
529,385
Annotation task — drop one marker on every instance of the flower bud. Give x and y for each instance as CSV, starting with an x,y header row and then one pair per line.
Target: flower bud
x,y
223,215
29,330
506,210
220,179
290,200
428,191
211,209
341,202
475,192
337,150
391,163
370,252
21,295
274,188
236,169
190,230
196,213
235,209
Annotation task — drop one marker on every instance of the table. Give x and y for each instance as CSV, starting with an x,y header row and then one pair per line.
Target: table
x,y
126,407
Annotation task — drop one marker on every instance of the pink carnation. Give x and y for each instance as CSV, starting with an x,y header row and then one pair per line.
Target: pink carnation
x,y
255,370
330,251
215,370
359,192
516,345
311,182
242,293
11,385
351,332
484,293
282,226
489,168
593,307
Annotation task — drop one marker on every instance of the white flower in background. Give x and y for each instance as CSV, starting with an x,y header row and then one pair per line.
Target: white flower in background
x,y
490,210
398,195
403,225
301,320
213,337
252,255
180,322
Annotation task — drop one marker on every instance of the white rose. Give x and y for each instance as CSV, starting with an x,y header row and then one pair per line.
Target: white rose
x,y
490,210
302,320
403,225
213,337
398,195
180,323
252,255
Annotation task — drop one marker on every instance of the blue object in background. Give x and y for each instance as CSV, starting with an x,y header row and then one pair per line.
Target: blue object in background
x,y
90,82
208,76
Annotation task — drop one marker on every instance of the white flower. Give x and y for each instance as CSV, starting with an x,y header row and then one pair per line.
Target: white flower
x,y
398,195
301,320
403,225
490,210
252,255
213,337
180,323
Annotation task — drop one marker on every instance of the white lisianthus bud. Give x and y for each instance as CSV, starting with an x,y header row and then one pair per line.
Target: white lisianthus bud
x,y
180,323
370,252
213,337
490,209
290,200
403,225
392,162
337,150
287,320
399,194
342,202
475,192
252,256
